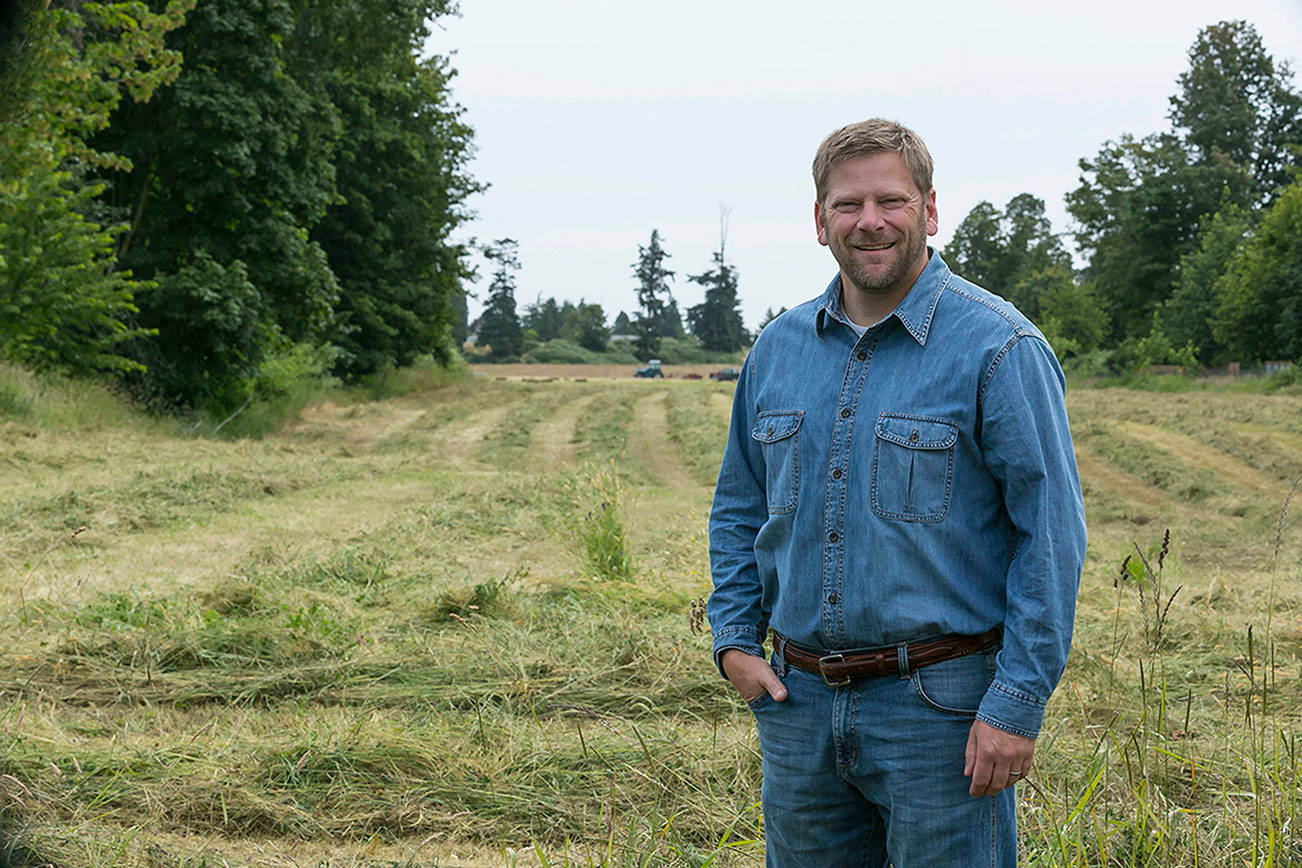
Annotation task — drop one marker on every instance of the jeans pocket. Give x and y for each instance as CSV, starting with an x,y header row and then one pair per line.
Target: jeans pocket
x,y
913,467
760,702
778,436
956,686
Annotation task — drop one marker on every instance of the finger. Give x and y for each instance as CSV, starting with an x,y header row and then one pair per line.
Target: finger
x,y
982,772
769,680
969,753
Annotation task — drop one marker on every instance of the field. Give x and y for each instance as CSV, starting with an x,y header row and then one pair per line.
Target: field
x,y
462,627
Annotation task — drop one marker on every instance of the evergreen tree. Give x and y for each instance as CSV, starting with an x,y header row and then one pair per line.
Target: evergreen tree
x,y
770,315
623,325
671,320
545,318
652,291
499,327
716,321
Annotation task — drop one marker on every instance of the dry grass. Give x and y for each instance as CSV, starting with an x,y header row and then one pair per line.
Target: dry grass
x,y
373,639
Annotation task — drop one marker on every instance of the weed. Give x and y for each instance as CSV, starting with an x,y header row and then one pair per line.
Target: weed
x,y
591,515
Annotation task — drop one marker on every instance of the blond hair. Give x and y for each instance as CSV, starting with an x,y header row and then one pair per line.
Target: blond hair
x,y
870,137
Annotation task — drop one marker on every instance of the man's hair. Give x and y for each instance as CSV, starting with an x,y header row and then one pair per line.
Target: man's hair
x,y
870,137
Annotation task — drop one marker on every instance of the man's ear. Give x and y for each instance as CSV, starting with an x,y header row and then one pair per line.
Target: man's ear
x,y
933,219
822,227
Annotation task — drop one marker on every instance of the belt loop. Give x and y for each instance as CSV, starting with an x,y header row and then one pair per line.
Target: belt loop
x,y
902,655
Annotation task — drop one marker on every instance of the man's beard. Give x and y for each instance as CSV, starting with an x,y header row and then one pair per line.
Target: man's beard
x,y
879,282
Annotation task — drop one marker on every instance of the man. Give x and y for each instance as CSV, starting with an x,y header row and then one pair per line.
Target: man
x,y
899,503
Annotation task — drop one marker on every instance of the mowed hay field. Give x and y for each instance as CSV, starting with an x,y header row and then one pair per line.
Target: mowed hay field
x,y
462,627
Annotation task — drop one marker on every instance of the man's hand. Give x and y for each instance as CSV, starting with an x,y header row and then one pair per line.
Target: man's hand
x,y
991,755
751,675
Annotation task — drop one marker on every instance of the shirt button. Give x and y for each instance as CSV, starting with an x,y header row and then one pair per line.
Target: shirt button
x,y
913,438
836,474
845,412
862,355
832,537
831,598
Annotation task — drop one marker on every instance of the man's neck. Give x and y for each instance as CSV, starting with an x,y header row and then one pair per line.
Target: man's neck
x,y
868,309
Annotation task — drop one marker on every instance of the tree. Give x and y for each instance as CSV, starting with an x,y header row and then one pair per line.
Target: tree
x,y
1067,312
499,327
1137,212
590,327
770,315
1001,250
652,290
976,248
399,163
1235,102
232,161
1186,318
716,321
63,303
545,318
1260,311
623,325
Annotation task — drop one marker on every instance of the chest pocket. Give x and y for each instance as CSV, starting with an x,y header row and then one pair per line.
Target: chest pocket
x,y
778,436
913,467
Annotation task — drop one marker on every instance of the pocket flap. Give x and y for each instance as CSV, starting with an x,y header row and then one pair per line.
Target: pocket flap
x,y
771,427
916,432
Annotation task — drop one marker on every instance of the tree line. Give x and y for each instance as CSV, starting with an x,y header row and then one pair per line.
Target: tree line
x,y
715,323
209,199
1191,237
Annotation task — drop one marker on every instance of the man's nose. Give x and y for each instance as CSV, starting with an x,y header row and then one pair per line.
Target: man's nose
x,y
870,218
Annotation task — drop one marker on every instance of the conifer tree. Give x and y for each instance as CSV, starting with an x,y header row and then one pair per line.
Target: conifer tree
x,y
499,327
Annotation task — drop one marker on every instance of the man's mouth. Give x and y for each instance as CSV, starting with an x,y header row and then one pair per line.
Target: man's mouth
x,y
873,247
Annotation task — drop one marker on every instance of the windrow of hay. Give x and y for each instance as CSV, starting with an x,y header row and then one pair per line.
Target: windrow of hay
x,y
433,669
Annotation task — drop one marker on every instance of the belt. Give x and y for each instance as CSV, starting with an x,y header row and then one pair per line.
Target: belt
x,y
840,668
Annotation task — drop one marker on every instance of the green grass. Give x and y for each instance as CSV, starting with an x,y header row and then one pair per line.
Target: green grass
x,y
380,636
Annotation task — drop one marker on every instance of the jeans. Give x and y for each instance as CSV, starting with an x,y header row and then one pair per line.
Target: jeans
x,y
871,774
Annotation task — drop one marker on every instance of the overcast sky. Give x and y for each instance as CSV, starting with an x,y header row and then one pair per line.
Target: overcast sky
x,y
598,120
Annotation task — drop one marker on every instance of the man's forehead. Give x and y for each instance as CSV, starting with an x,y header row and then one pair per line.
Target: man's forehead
x,y
884,170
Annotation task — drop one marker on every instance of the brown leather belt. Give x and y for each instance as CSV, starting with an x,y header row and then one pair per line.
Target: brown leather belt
x,y
840,668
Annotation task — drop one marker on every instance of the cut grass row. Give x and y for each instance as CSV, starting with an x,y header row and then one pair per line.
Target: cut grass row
x,y
449,674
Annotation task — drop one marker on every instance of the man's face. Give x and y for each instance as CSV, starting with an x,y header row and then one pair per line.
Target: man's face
x,y
876,222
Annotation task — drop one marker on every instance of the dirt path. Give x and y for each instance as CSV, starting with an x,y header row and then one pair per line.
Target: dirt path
x,y
360,427
1191,451
649,443
553,444
462,442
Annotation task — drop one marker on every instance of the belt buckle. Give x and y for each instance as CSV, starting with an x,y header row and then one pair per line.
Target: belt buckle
x,y
822,669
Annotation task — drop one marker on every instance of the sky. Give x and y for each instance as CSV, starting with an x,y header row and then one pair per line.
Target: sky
x,y
597,121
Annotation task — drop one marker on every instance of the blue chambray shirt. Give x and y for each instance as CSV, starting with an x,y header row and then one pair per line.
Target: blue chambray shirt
x,y
914,482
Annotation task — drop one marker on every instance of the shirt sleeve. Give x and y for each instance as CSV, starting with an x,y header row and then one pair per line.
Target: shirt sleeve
x,y
738,618
1026,443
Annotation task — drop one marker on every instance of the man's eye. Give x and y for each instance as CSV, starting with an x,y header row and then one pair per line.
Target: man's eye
x,y
845,207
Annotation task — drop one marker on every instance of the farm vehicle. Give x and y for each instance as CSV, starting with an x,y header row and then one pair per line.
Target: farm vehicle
x,y
652,369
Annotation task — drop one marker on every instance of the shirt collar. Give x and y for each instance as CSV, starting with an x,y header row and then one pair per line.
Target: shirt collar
x,y
914,312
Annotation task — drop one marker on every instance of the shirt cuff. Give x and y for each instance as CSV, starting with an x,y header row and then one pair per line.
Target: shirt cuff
x,y
1011,710
741,638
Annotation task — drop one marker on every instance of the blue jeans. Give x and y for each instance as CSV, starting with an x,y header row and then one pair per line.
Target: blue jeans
x,y
871,774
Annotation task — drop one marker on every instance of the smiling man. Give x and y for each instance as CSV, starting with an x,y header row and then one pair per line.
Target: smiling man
x,y
898,503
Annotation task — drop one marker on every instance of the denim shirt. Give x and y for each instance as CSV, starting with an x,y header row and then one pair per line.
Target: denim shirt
x,y
916,481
